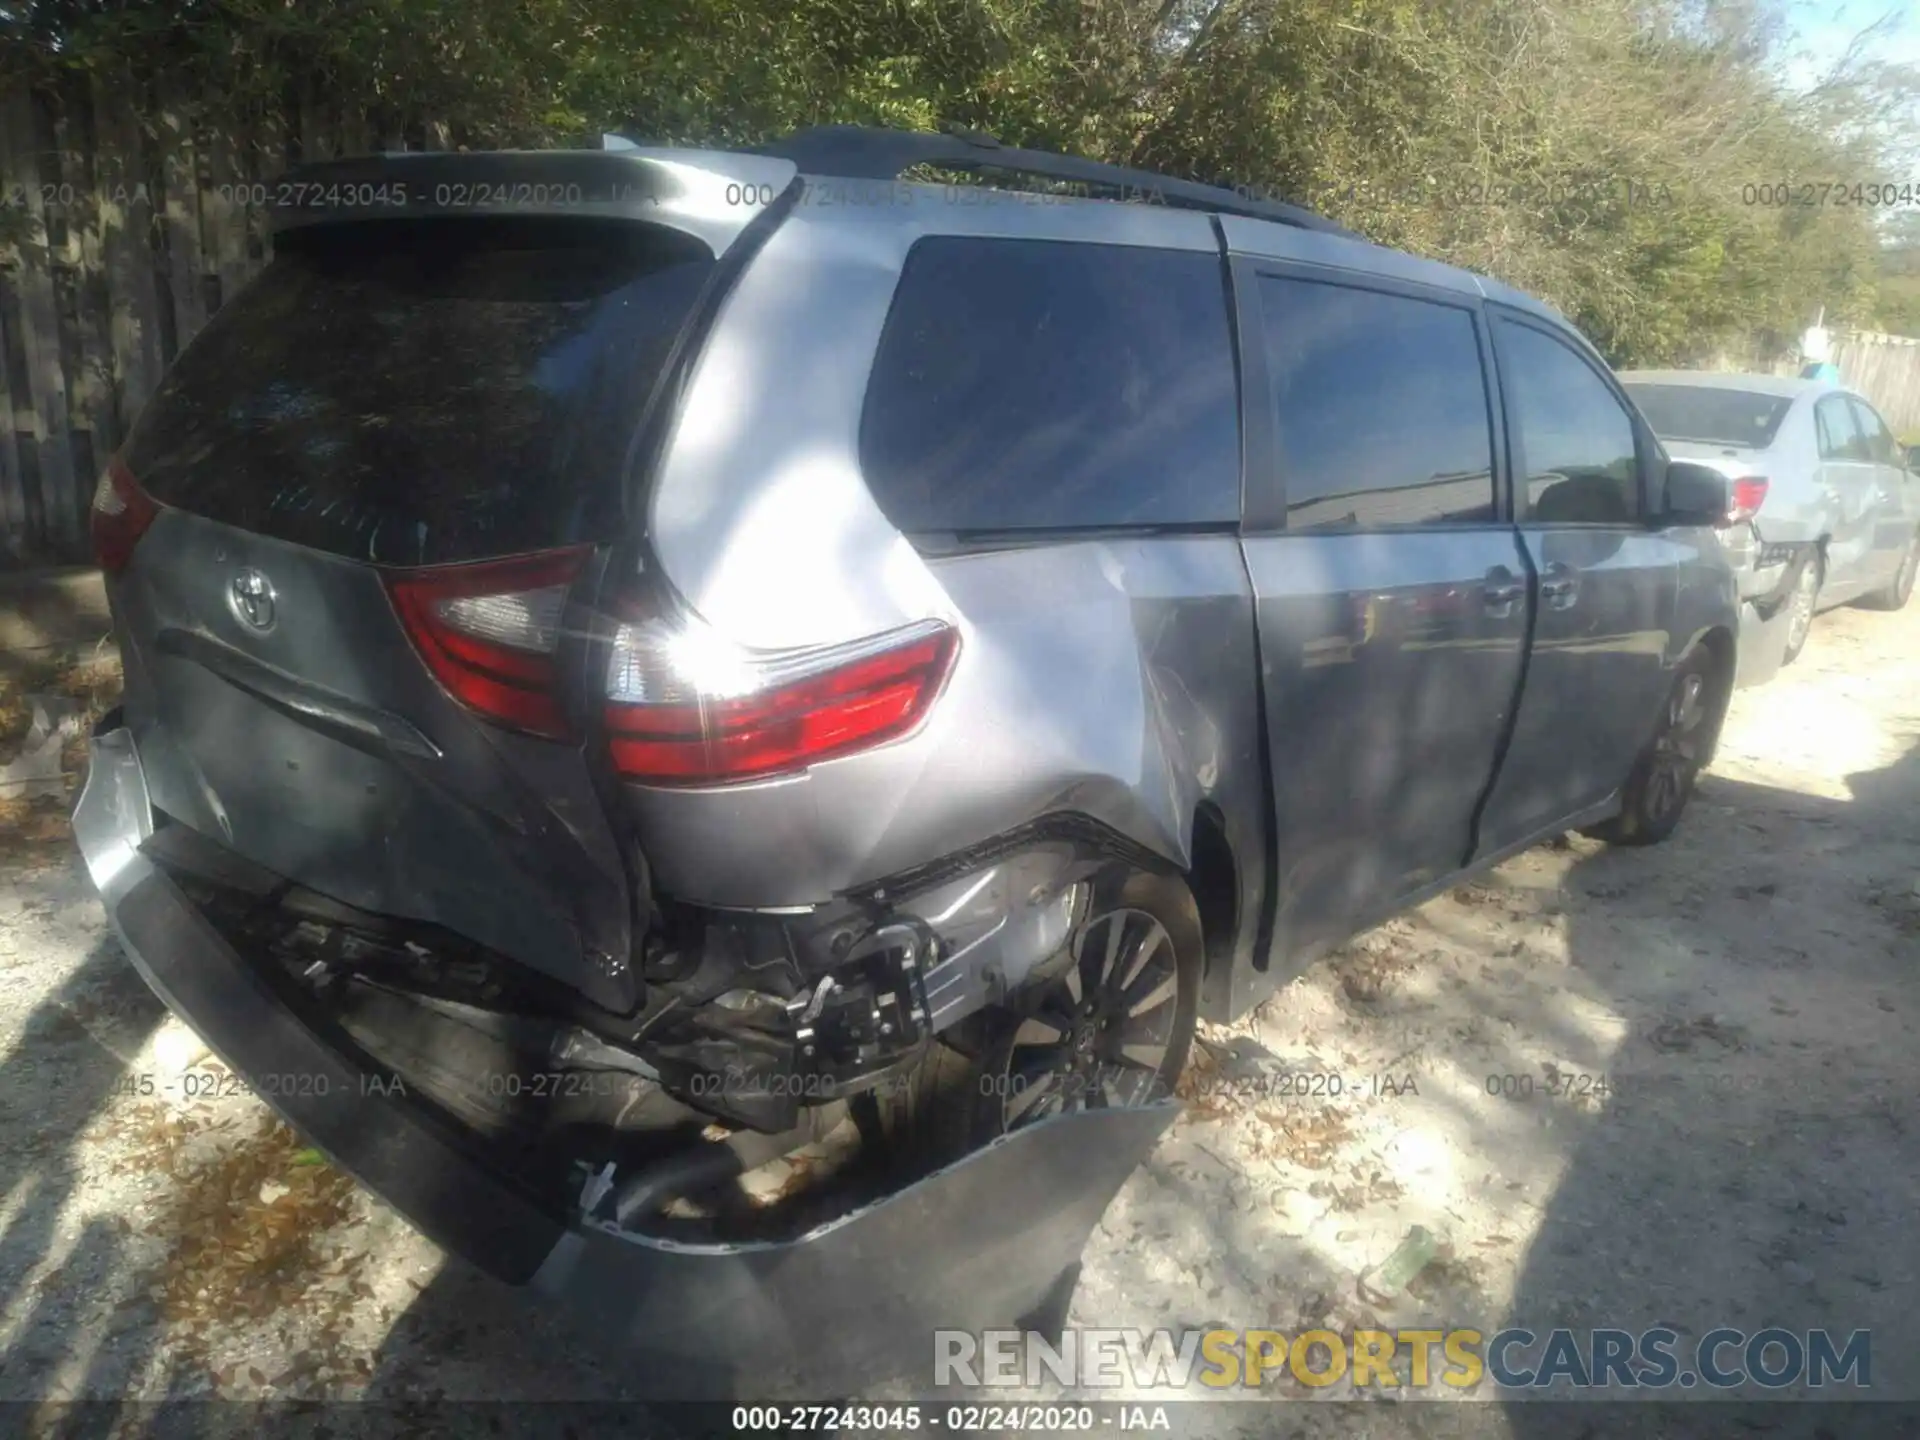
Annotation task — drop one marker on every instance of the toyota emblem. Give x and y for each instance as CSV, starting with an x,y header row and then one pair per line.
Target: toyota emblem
x,y
250,595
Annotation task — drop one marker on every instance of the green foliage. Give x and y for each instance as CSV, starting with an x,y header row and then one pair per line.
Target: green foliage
x,y
1600,153
1896,308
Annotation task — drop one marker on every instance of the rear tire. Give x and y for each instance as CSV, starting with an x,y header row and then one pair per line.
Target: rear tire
x,y
1662,781
1061,1045
1896,592
1802,604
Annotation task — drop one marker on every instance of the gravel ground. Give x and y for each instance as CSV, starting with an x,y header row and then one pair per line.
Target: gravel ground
x,y
1742,1149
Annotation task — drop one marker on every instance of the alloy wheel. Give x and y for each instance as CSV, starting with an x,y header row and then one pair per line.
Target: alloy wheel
x,y
1099,1035
1676,749
1800,620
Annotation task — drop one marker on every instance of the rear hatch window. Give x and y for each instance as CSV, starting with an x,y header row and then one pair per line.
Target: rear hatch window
x,y
419,392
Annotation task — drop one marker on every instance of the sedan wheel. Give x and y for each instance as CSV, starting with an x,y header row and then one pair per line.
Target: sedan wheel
x,y
1800,608
1897,591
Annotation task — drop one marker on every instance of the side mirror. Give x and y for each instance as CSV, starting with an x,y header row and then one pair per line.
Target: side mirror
x,y
1910,455
1695,495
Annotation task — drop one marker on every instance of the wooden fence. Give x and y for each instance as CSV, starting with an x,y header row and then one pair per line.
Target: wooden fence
x,y
1885,369
124,224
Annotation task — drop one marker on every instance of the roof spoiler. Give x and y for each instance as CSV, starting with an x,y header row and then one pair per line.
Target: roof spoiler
x,y
711,194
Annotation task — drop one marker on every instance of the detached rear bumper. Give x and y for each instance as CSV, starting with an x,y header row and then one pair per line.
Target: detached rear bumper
x,y
1766,577
993,1240
1762,646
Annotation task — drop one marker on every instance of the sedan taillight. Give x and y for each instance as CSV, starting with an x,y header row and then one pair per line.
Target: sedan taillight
x,y
1749,494
489,632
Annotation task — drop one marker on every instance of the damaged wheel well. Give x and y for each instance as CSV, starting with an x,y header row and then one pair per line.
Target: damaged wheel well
x,y
1719,646
1214,880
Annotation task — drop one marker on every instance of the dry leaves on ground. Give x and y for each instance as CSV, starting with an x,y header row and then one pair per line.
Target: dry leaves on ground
x,y
251,1231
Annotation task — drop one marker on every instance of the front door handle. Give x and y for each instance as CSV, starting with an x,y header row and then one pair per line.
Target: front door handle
x,y
1559,586
1502,591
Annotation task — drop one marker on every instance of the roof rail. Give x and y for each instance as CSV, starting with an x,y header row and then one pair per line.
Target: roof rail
x,y
860,152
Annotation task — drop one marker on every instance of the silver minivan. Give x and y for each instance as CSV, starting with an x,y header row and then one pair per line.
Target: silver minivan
x,y
659,651
1826,510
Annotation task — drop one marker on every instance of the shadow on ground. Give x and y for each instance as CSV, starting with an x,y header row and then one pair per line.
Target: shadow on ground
x,y
1803,1124
1806,1126
59,1078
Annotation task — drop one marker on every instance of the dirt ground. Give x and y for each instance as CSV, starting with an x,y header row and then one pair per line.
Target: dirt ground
x,y
1741,1151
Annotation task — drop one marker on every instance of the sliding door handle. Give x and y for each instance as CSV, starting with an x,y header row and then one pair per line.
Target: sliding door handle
x,y
1502,590
1559,586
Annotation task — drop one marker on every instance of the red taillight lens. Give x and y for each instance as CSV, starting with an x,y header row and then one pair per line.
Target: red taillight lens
x,y
1749,494
120,515
686,707
489,632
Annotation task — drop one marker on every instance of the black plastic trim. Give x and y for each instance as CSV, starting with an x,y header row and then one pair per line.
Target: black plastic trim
x,y
858,152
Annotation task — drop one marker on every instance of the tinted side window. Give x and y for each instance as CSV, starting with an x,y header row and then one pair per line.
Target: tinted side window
x,y
1839,434
1380,407
1877,440
1028,384
1577,437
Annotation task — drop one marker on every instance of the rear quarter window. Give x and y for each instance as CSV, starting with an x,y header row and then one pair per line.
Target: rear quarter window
x,y
1035,385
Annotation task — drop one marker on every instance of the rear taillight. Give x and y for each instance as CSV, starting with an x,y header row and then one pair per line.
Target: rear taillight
x,y
1749,494
120,515
685,706
489,632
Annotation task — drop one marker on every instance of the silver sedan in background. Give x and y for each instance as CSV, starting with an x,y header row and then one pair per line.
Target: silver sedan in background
x,y
1825,511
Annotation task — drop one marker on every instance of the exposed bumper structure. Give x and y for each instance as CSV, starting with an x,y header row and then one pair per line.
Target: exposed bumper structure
x,y
993,1240
1764,621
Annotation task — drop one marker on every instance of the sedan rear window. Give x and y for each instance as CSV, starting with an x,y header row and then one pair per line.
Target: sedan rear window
x,y
416,392
1709,415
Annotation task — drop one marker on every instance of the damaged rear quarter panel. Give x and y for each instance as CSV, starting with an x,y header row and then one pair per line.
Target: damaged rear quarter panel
x,y
1113,679
1116,678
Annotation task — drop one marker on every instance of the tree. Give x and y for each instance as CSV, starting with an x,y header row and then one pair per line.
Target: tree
x,y
1627,160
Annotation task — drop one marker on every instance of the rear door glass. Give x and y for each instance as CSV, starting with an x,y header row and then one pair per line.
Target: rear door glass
x,y
414,392
1380,406
1875,438
1840,437
1582,461
1036,385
